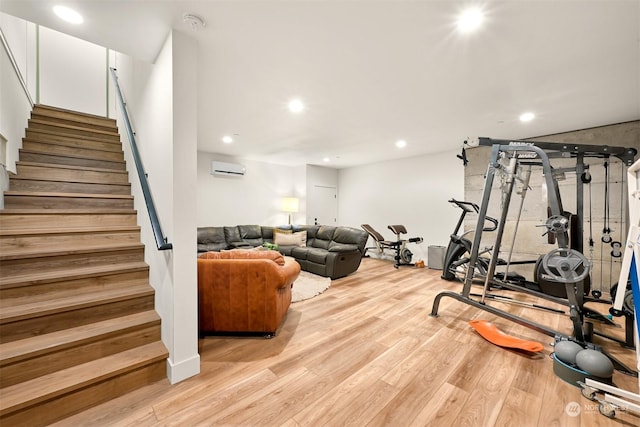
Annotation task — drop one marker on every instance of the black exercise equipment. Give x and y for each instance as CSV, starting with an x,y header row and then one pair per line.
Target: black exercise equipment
x,y
402,254
458,250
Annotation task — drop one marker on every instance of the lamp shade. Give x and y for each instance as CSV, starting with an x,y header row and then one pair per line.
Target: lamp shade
x,y
290,204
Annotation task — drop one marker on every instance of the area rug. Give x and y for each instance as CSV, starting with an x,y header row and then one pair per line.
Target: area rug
x,y
308,285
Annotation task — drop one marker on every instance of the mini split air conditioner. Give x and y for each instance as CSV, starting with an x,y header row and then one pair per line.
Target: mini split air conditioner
x,y
227,169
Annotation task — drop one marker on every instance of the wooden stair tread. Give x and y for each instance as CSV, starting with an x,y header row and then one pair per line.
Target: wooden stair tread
x,y
36,278
72,167
81,211
15,351
74,195
67,230
21,308
39,252
72,155
44,108
69,181
64,126
105,146
46,133
50,386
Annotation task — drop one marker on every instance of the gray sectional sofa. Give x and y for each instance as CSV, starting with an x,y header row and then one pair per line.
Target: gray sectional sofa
x,y
328,251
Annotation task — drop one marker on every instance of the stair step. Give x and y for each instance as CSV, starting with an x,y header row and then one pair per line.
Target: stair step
x,y
20,318
75,121
29,358
35,157
16,242
36,282
60,293
71,130
33,146
36,218
77,319
46,200
50,171
56,112
16,265
18,183
49,137
57,395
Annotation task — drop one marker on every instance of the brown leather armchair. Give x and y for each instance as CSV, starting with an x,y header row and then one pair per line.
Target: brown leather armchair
x,y
244,291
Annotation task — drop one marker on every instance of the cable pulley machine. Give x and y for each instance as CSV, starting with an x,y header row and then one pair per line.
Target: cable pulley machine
x,y
564,266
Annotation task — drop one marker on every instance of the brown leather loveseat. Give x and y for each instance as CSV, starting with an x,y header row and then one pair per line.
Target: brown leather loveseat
x,y
246,291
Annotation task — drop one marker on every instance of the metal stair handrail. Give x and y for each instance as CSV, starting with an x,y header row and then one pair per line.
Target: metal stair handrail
x,y
161,241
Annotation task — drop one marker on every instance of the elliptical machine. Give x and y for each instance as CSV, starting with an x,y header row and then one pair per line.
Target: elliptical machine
x,y
456,258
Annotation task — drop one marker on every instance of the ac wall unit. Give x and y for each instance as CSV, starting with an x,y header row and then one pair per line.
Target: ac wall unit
x,y
227,169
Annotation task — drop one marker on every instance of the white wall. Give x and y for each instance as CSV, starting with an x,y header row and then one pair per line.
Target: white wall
x,y
70,65
184,360
14,103
254,198
412,192
161,100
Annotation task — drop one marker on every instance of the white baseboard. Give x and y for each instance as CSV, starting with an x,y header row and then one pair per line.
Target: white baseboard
x,y
183,370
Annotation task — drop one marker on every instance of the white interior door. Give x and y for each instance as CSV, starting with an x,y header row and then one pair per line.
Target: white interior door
x,y
323,206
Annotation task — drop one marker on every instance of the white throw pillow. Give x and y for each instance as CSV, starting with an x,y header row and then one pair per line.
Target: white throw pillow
x,y
295,239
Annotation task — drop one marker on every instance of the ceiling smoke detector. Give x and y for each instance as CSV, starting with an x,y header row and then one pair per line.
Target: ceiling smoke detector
x,y
195,22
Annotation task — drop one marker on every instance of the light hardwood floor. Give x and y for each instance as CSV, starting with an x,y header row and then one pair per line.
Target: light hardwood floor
x,y
367,353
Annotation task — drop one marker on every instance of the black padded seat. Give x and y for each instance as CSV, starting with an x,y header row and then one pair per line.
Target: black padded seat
x,y
300,252
317,255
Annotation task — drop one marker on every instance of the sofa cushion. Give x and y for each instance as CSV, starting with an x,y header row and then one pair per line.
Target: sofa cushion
x,y
211,235
274,256
316,255
251,234
325,232
341,247
232,234
299,252
211,247
267,233
211,239
350,236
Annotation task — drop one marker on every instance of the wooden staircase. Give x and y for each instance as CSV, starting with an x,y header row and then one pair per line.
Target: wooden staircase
x,y
77,319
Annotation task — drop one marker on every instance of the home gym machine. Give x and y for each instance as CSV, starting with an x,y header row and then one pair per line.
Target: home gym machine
x,y
565,267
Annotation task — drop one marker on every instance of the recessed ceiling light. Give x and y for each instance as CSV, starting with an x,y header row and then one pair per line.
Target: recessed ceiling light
x,y
67,14
296,106
401,143
470,19
227,139
326,159
527,117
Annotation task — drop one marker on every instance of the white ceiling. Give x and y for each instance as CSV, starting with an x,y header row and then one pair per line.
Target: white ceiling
x,y
372,72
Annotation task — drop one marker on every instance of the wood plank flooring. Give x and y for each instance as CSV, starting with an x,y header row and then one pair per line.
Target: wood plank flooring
x,y
367,353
